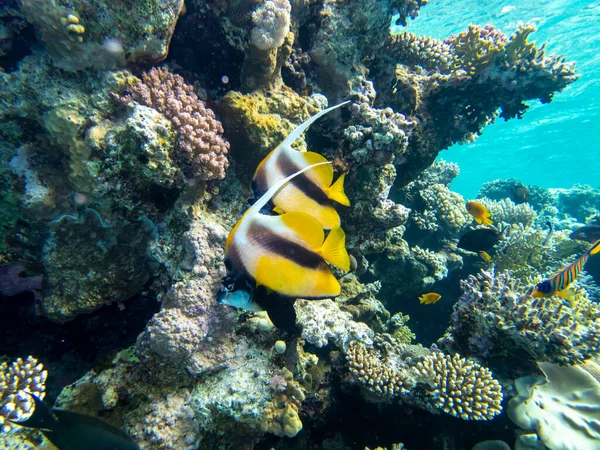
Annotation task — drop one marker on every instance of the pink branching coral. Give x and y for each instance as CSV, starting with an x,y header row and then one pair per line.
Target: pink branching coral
x,y
201,147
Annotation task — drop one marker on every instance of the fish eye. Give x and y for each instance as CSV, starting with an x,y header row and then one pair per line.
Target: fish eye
x,y
229,287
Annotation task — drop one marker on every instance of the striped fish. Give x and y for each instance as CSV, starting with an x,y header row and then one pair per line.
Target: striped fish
x,y
311,192
559,282
286,254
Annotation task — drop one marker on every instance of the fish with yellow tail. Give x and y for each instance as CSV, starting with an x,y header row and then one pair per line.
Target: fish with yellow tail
x,y
558,283
312,192
430,298
479,213
285,255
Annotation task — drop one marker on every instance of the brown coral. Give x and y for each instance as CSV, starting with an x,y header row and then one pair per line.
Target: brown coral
x,y
460,387
377,377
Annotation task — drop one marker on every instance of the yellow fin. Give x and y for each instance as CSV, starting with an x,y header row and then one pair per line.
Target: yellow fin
x,y
323,174
567,294
336,191
278,210
287,278
595,248
486,220
306,227
334,249
485,256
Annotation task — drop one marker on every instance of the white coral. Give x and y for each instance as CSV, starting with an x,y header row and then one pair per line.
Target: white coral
x,y
271,24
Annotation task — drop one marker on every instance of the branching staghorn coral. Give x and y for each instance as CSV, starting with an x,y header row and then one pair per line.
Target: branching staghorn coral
x,y
17,381
201,148
495,317
507,211
460,387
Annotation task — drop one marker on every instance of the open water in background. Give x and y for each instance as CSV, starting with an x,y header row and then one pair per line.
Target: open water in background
x,y
554,145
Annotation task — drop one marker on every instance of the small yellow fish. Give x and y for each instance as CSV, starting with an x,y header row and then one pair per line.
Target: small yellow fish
x,y
430,299
485,256
479,213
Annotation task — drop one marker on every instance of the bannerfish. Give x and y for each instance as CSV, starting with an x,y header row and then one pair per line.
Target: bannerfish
x,y
430,298
479,240
519,193
285,254
311,192
479,213
73,431
558,283
588,233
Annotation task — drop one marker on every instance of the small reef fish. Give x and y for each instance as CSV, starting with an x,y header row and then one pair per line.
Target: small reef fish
x,y
73,431
284,254
485,256
430,298
519,193
479,213
588,233
479,240
311,192
549,235
558,283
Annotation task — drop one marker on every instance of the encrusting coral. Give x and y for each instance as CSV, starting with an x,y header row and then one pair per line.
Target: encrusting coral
x,y
201,148
17,381
560,409
461,388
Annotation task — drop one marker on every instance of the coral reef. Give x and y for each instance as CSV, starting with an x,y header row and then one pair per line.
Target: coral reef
x,y
200,147
104,35
461,388
90,263
17,381
495,318
558,410
323,320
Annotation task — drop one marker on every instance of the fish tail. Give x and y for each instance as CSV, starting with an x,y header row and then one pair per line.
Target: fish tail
x,y
334,249
595,248
486,221
336,191
42,417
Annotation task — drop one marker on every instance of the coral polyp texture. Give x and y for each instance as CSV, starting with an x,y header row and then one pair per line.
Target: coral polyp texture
x,y
494,316
17,381
460,387
201,148
377,378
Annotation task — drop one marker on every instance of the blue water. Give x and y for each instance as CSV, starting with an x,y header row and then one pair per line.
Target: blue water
x,y
554,145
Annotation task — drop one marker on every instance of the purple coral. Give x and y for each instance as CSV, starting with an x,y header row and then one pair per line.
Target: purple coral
x,y
201,147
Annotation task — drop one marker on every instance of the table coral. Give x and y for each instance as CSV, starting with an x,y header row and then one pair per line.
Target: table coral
x,y
17,381
201,148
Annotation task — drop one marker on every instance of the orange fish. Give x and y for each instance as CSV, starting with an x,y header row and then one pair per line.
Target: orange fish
x,y
479,213
485,256
430,299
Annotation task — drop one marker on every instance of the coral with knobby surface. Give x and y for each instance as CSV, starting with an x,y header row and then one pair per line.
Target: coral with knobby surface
x,y
560,409
104,35
495,317
201,149
17,381
430,380
461,388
